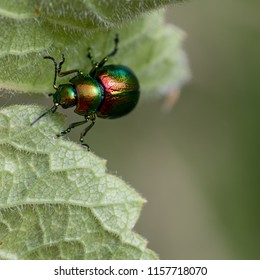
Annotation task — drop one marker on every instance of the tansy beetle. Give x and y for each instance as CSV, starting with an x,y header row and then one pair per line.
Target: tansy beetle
x,y
107,91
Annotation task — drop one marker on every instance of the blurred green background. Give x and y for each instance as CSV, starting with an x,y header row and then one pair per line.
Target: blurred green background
x,y
197,165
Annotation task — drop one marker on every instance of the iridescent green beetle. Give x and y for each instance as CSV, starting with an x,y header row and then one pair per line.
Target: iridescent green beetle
x,y
110,91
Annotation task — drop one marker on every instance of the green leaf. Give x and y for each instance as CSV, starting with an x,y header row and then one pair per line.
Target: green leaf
x,y
33,29
57,199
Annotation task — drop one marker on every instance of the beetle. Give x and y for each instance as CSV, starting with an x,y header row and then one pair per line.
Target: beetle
x,y
107,91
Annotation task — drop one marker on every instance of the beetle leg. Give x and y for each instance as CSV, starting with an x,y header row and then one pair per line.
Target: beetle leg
x,y
96,66
72,125
90,56
105,59
116,40
55,70
84,132
65,73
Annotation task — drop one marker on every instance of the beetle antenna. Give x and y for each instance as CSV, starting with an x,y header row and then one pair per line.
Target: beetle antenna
x,y
51,110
